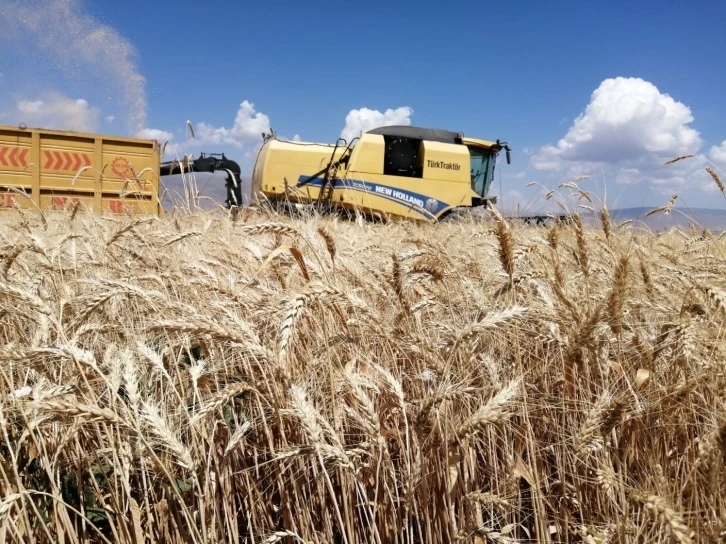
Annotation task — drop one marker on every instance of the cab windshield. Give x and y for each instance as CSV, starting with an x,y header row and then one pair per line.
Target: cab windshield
x,y
482,170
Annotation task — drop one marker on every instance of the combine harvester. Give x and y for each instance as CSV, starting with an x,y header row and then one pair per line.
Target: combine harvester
x,y
402,171
394,171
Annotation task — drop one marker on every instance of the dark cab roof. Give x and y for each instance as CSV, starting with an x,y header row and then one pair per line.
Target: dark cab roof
x,y
418,133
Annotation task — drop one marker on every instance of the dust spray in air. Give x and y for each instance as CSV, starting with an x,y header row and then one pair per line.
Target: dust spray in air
x,y
69,50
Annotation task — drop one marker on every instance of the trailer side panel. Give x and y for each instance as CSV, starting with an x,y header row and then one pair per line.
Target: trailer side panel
x,y
53,169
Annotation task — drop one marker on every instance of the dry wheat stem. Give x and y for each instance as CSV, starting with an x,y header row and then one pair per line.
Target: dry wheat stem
x,y
406,397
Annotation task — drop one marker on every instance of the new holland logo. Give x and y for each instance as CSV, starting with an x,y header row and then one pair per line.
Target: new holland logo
x,y
431,205
443,165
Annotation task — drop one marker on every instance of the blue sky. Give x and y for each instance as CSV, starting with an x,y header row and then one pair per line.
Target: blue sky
x,y
645,78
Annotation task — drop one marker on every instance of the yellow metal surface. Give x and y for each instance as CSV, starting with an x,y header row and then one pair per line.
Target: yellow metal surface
x,y
444,182
486,144
59,169
282,160
368,154
412,198
445,162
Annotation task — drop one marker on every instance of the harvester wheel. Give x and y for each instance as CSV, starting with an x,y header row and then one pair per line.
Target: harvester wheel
x,y
478,213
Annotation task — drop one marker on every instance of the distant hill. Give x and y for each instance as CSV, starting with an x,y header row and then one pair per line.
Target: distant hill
x,y
710,218
212,187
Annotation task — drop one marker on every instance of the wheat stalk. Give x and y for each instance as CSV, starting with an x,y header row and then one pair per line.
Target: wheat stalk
x,y
617,294
668,517
494,411
329,242
716,179
161,429
152,372
606,221
270,228
60,409
664,209
678,158
506,243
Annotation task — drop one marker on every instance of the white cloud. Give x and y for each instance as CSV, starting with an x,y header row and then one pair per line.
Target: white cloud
x,y
718,153
245,131
365,119
57,111
248,127
623,136
109,118
160,136
625,119
244,134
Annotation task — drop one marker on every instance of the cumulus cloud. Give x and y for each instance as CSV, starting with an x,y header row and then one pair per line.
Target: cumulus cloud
x,y
625,134
365,119
718,153
160,136
667,179
245,133
57,111
248,126
625,119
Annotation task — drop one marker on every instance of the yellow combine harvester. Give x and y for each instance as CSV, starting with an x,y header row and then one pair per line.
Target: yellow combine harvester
x,y
405,171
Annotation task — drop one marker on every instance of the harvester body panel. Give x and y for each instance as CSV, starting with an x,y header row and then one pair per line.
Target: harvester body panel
x,y
280,162
51,169
421,175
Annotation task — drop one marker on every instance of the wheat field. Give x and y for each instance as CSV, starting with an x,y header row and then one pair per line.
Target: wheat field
x,y
198,378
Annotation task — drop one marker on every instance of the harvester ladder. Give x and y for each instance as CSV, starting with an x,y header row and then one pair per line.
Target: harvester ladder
x,y
328,184
327,187
329,173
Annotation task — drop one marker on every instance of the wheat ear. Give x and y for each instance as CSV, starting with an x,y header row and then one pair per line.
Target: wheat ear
x,y
494,411
506,243
668,517
716,179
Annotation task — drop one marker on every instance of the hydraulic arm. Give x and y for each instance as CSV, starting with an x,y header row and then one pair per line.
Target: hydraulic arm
x,y
210,162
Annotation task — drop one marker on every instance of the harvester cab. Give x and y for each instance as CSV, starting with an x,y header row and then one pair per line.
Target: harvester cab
x,y
404,171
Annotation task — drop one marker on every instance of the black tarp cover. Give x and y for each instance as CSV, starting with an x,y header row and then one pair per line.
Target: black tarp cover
x,y
418,133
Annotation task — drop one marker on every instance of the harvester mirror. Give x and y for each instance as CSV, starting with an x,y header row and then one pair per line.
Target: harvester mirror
x,y
509,157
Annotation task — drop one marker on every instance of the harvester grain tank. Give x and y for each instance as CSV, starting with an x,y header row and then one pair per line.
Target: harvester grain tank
x,y
405,171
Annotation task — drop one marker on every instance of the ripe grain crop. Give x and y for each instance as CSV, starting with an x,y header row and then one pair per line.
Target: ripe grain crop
x,y
267,379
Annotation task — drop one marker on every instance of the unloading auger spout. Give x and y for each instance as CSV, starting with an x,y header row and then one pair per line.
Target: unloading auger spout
x,y
210,162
